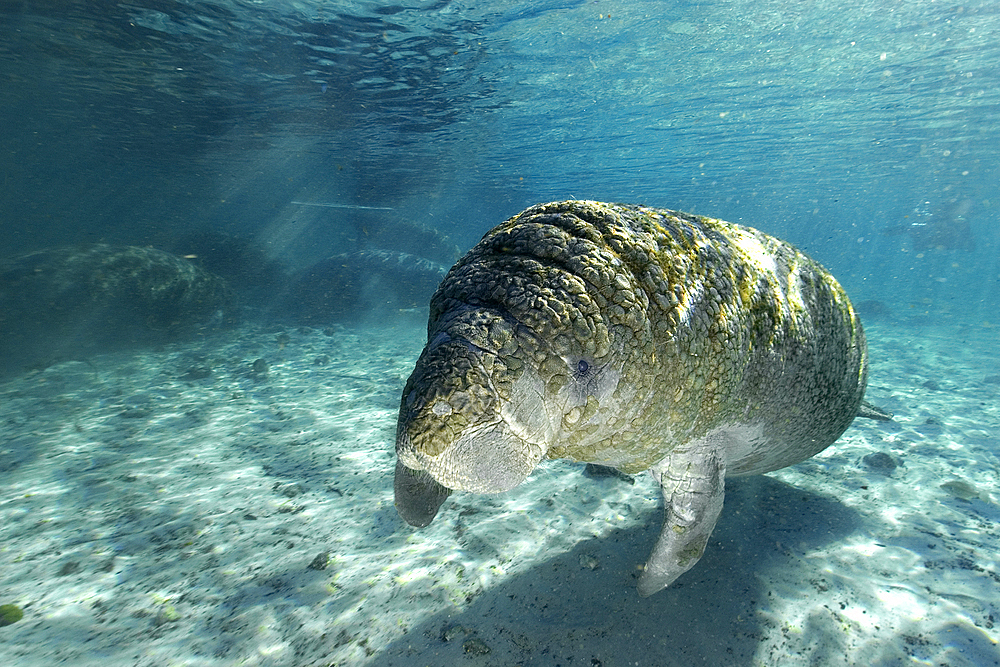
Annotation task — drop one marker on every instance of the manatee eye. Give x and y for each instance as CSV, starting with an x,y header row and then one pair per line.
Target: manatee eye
x,y
582,371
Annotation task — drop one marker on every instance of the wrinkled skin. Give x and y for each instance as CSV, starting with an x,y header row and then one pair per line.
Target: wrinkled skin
x,y
635,338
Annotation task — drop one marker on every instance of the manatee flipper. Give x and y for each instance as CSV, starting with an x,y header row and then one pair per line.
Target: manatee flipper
x,y
418,496
693,486
870,411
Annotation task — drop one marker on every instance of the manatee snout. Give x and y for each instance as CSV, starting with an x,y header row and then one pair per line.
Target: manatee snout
x,y
452,433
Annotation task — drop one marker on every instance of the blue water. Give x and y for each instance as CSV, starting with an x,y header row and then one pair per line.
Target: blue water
x,y
863,131
822,123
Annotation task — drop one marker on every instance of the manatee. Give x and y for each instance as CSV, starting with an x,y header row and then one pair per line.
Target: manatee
x,y
631,337
377,230
66,303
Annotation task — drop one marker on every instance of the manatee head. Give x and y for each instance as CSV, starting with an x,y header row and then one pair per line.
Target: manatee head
x,y
532,339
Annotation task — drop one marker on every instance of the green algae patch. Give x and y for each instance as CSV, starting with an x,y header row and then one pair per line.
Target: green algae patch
x,y
10,613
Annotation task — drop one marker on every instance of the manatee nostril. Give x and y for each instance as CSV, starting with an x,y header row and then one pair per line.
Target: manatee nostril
x,y
441,408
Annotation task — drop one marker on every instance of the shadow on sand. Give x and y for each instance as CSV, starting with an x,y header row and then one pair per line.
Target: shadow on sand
x,y
582,608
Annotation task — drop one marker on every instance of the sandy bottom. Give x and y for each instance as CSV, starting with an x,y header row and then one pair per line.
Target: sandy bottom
x,y
177,507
